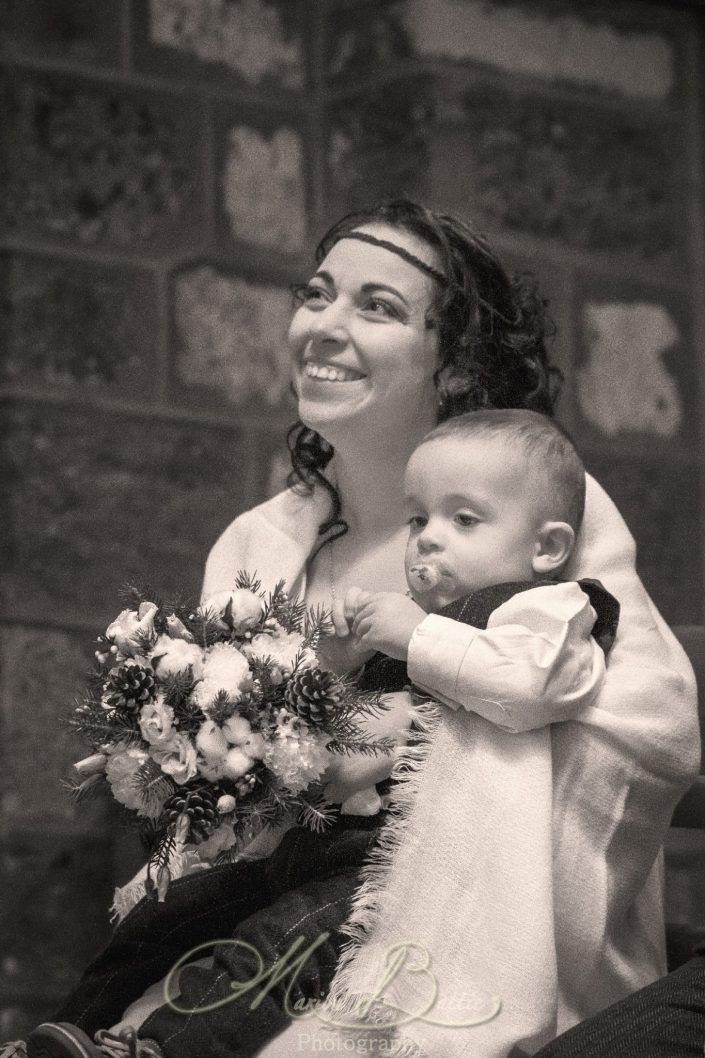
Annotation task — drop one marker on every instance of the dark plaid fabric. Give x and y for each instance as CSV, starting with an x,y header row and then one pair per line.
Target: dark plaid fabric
x,y
304,889
383,673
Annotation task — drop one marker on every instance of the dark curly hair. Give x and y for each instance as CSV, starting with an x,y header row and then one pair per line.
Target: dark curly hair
x,y
491,334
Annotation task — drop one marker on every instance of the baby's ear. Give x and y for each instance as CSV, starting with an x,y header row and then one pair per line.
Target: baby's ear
x,y
554,543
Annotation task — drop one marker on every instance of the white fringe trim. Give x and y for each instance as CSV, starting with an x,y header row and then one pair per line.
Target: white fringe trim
x,y
365,908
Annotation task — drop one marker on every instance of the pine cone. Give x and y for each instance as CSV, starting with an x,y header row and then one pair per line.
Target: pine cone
x,y
201,808
313,694
129,688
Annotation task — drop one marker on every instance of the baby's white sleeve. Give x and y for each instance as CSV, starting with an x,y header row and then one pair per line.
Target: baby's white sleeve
x,y
536,663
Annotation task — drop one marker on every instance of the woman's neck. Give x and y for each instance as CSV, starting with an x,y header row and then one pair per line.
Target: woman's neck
x,y
370,483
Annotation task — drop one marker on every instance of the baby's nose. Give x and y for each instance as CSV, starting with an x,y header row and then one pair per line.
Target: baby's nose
x,y
429,540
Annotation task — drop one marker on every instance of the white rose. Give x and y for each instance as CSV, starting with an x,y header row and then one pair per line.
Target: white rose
x,y
170,656
156,721
121,769
131,623
177,758
239,609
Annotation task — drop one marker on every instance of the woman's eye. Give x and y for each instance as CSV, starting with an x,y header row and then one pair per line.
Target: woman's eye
x,y
309,294
466,520
381,307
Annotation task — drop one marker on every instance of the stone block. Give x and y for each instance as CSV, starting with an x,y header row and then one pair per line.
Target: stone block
x,y
587,176
56,896
235,43
365,39
43,672
77,327
72,31
100,163
95,499
230,339
636,372
263,184
554,42
378,145
661,502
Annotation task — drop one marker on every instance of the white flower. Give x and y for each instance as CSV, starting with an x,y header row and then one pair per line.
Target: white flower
x,y
156,721
211,742
177,758
243,608
226,804
297,758
282,648
237,729
131,623
121,769
170,656
225,669
254,745
237,763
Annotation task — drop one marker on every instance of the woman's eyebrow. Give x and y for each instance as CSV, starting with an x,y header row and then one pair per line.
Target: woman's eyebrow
x,y
366,288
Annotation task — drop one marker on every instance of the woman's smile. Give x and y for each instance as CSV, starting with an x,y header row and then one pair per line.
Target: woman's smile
x,y
330,372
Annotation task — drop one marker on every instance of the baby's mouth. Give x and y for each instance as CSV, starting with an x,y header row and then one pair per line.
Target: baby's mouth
x,y
331,372
425,577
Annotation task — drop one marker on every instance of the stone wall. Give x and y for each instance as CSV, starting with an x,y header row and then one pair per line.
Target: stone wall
x,y
168,165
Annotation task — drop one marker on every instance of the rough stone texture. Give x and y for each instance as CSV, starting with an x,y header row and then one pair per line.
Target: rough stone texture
x,y
99,164
76,31
659,501
251,42
624,383
77,327
231,337
56,895
588,177
95,499
264,187
361,42
43,671
378,145
565,47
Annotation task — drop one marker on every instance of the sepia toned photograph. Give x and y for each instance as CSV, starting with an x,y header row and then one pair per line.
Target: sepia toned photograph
x,y
352,356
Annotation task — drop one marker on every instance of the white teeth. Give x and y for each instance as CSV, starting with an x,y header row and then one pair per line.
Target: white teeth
x,y
331,373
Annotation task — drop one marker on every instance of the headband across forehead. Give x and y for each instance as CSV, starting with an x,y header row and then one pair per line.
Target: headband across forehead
x,y
411,258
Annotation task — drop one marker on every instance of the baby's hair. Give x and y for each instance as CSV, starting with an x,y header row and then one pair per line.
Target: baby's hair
x,y
545,445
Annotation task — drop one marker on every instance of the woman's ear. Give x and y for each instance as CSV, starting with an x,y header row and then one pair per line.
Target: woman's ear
x,y
554,544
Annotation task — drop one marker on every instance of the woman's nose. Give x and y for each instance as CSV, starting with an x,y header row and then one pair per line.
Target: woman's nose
x,y
329,324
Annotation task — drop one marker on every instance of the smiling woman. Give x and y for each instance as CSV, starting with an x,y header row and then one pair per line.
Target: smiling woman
x,y
410,320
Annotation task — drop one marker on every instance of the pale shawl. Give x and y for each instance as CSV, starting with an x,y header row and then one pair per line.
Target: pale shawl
x,y
527,866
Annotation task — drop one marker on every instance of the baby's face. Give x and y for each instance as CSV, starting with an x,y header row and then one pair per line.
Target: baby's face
x,y
474,519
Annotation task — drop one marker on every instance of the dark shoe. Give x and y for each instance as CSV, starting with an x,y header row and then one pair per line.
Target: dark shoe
x,y
60,1040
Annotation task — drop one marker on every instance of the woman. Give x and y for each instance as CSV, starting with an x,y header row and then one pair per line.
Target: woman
x,y
409,320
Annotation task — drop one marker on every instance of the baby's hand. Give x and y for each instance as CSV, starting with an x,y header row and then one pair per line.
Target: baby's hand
x,y
382,620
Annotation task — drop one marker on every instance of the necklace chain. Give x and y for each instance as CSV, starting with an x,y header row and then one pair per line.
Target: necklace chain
x,y
331,571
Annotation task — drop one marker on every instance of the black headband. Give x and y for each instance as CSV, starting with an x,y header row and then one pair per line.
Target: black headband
x,y
399,250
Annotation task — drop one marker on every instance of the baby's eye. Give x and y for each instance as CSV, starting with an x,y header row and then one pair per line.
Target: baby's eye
x,y
417,522
309,294
465,519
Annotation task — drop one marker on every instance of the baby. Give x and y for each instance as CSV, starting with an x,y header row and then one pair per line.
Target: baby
x,y
495,499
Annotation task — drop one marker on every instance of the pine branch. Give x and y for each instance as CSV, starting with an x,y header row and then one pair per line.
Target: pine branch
x,y
136,592
316,623
86,789
248,581
153,785
316,812
366,747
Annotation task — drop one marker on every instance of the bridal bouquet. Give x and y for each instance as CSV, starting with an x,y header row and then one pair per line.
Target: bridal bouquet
x,y
208,724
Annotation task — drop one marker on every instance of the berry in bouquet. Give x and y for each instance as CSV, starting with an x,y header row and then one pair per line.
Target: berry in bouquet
x,y
210,724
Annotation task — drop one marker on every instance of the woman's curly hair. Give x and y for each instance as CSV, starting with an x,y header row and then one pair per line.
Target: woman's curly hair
x,y
491,334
